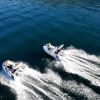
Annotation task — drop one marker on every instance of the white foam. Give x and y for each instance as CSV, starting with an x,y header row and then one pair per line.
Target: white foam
x,y
79,62
35,85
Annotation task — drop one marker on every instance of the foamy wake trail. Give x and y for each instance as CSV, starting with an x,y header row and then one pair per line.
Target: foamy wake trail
x,y
36,86
81,63
44,85
48,86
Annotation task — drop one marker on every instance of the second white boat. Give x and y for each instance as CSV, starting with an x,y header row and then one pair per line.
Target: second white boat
x,y
54,51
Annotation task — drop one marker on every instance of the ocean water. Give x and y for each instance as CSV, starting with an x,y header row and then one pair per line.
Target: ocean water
x,y
26,25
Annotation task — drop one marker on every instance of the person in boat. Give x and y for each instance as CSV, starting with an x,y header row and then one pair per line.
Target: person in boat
x,y
58,49
14,70
10,67
49,46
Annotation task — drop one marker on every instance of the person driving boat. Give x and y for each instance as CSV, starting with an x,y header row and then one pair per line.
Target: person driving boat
x,y
10,67
59,49
49,46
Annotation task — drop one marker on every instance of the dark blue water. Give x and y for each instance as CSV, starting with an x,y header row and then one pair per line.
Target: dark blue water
x,y
26,25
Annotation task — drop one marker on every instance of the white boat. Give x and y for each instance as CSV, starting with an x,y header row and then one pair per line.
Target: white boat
x,y
54,51
12,69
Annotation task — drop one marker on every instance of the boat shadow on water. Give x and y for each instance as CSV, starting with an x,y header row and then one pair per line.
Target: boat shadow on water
x,y
77,78
6,93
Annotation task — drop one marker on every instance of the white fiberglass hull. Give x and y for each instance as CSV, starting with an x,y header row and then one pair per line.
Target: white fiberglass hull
x,y
8,72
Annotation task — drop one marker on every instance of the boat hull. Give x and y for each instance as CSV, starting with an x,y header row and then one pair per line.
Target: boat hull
x,y
8,72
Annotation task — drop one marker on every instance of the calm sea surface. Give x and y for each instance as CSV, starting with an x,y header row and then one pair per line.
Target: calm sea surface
x,y
26,25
